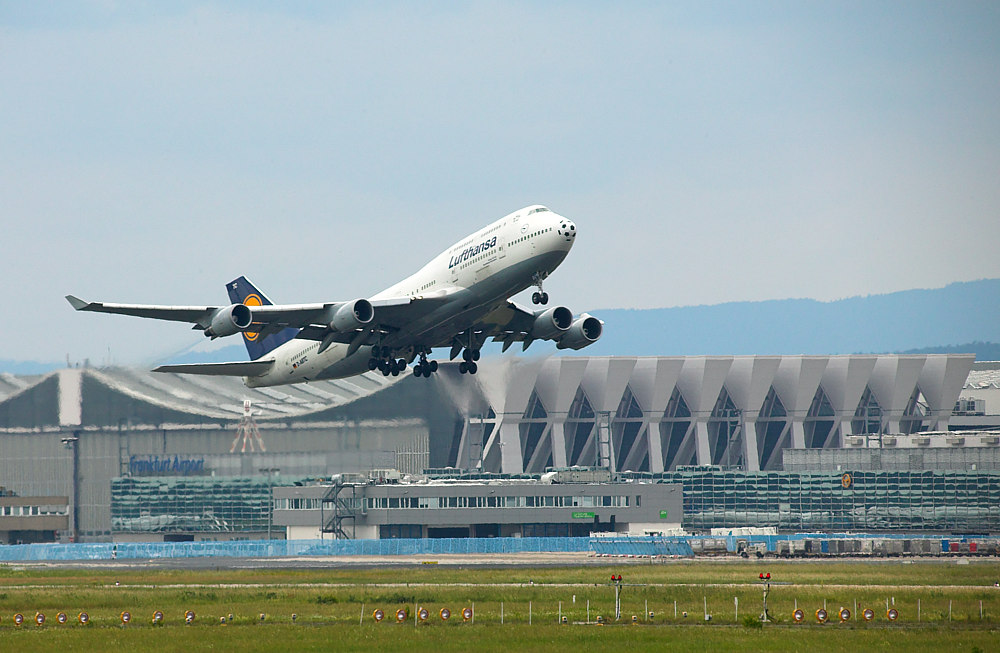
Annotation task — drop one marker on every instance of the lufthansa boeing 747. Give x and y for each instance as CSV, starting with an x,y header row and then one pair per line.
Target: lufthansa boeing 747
x,y
458,300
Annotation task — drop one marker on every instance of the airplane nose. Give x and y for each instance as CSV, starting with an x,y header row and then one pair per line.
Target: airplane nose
x,y
567,230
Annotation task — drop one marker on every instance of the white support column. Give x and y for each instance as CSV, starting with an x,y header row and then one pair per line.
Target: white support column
x,y
558,436
703,450
511,461
750,451
798,433
654,442
462,459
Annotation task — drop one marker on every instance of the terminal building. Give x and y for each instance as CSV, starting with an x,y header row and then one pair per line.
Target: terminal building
x,y
565,503
159,456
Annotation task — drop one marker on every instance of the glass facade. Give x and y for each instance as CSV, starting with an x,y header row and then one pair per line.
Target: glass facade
x,y
192,504
879,501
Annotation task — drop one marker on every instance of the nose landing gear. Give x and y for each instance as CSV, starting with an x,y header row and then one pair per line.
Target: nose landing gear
x,y
539,297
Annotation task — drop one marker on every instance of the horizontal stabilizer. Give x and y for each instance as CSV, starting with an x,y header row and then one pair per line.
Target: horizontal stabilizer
x,y
245,368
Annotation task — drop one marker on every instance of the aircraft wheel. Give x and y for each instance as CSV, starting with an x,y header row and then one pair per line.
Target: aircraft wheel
x,y
401,363
385,371
463,367
544,298
418,371
467,355
475,354
372,363
536,298
434,366
473,368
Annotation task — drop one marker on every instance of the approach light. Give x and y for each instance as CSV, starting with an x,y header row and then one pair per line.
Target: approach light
x,y
126,617
868,614
378,615
39,619
61,618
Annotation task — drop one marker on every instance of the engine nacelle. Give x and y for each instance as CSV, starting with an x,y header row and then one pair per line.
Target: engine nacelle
x,y
352,315
584,331
551,323
229,320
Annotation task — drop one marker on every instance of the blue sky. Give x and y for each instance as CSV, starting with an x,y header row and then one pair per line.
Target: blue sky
x,y
708,152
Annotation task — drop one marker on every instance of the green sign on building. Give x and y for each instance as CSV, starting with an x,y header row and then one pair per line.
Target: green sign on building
x,y
663,514
583,515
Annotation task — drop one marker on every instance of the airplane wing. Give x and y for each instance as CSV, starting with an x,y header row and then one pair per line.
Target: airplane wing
x,y
250,368
269,318
201,316
512,323
194,314
390,315
313,320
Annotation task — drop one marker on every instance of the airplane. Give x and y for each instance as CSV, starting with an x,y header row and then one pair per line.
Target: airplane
x,y
459,299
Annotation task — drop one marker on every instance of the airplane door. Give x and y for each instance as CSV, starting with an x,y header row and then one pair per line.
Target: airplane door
x,y
501,247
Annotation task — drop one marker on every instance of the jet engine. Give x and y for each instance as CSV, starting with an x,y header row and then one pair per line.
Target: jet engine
x,y
551,323
352,315
229,320
584,331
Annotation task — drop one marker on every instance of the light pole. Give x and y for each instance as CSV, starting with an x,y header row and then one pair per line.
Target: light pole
x,y
271,472
70,442
765,580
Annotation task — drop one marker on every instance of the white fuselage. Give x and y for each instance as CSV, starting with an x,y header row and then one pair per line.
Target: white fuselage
x,y
481,272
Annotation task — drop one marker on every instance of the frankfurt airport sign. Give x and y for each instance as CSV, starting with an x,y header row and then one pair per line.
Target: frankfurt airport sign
x,y
156,466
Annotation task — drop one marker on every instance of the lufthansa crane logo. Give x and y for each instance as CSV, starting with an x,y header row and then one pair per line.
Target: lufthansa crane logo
x,y
253,299
846,481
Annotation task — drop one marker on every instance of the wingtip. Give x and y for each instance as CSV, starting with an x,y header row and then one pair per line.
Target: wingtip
x,y
76,302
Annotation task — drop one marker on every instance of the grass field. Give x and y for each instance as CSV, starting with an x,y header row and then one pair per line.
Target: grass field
x,y
941,605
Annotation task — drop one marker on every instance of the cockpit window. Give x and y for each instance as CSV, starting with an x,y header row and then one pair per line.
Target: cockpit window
x,y
537,210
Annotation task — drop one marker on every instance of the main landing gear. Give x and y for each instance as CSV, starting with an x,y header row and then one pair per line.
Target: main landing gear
x,y
540,296
424,367
468,364
383,359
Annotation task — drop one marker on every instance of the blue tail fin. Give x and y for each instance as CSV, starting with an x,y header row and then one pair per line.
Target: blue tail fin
x,y
241,291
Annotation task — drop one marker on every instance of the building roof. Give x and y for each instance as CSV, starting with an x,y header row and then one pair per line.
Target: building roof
x,y
981,379
82,396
